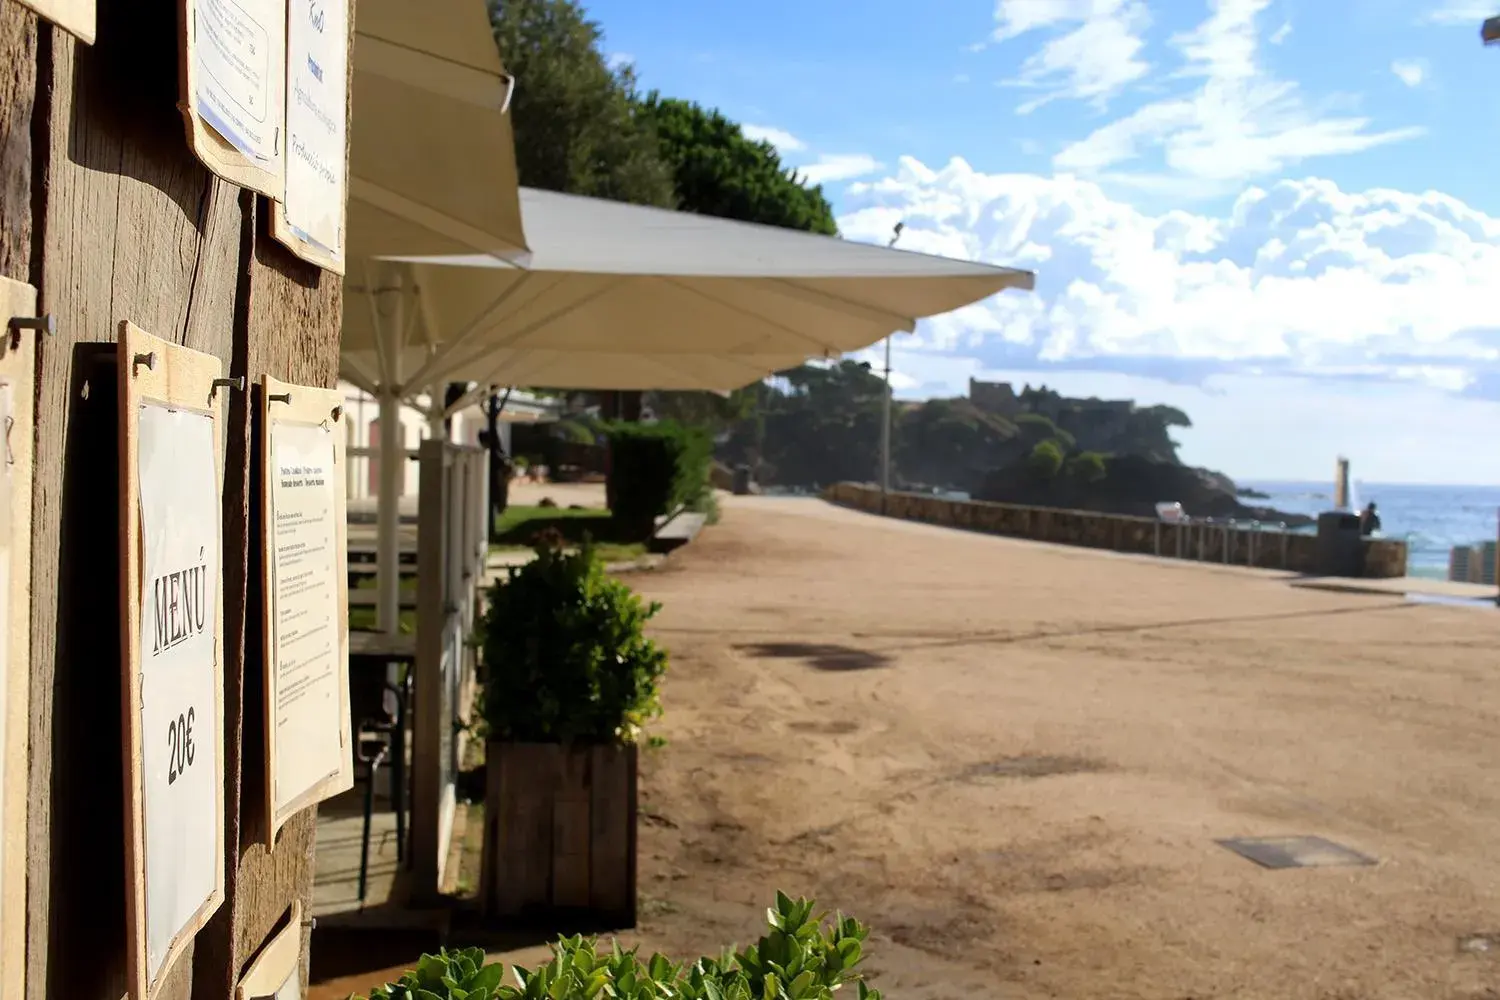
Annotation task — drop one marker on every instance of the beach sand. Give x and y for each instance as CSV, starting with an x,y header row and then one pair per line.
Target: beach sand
x,y
1014,761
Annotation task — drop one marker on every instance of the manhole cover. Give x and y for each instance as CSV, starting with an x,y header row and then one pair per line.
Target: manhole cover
x,y
1295,852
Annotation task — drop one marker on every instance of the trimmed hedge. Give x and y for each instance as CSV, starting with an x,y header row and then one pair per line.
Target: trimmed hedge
x,y
655,469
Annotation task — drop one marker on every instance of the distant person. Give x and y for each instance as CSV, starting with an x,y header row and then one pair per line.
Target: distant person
x,y
1369,521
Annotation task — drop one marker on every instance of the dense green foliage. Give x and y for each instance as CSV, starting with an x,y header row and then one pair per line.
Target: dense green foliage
x,y
1087,467
1045,460
797,959
577,121
565,654
719,172
655,469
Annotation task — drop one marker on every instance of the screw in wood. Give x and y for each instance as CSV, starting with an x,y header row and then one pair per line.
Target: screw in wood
x,y
46,323
281,397
149,360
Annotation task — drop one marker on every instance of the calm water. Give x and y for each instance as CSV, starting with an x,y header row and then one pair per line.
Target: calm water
x,y
1432,519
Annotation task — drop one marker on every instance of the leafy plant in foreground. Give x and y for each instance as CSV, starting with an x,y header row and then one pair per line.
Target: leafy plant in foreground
x,y
797,959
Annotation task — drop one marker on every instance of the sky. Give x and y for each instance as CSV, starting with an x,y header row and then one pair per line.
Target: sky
x,y
1281,216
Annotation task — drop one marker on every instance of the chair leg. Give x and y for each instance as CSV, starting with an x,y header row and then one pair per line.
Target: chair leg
x,y
398,793
364,846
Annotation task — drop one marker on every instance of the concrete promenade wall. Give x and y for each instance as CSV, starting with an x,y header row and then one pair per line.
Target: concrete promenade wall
x,y
1203,541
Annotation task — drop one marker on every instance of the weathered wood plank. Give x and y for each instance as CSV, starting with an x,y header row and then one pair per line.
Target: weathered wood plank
x,y
571,832
18,57
128,226
612,843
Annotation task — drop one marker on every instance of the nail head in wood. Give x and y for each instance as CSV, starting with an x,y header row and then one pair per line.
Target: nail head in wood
x,y
148,360
338,413
230,383
46,323
281,397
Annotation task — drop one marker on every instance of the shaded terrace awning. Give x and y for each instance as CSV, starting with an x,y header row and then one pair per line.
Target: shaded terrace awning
x,y
622,296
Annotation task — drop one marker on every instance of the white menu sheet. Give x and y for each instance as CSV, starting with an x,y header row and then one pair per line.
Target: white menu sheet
x,y
180,722
306,629
239,50
316,121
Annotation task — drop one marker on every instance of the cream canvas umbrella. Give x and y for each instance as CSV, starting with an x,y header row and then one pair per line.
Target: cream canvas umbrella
x,y
432,163
621,296
625,296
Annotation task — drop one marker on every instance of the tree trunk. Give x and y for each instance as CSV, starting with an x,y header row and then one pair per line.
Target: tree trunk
x,y
499,462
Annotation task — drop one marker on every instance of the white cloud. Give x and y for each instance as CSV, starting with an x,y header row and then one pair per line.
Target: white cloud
x,y
1410,71
783,140
1296,278
1281,34
1238,123
839,167
1461,12
1094,59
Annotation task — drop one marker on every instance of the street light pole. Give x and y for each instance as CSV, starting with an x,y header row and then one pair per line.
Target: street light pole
x,y
885,415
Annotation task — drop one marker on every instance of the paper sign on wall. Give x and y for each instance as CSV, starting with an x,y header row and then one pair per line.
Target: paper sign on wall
x,y
276,973
309,743
310,217
17,375
234,52
172,568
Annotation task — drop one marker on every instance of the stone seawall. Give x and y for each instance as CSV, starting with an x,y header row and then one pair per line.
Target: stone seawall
x,y
1217,541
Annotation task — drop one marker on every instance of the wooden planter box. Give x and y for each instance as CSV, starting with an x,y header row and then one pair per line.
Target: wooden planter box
x,y
559,833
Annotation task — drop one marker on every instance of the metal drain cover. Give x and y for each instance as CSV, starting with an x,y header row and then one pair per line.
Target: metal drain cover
x,y
1295,852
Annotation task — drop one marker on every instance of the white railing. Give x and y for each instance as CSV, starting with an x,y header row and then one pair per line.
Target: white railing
x,y
452,545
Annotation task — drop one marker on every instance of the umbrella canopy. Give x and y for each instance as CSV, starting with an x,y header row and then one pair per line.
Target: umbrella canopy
x,y
623,296
425,76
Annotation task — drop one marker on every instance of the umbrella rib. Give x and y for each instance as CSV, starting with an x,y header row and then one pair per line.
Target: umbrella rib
x,y
351,371
469,328
743,311
384,363
509,339
829,300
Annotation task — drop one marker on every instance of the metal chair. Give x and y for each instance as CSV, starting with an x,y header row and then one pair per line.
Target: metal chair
x,y
381,738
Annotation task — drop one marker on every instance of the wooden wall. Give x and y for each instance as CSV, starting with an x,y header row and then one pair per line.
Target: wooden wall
x,y
105,210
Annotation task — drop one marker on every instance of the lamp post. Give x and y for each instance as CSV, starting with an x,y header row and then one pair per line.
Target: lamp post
x,y
885,414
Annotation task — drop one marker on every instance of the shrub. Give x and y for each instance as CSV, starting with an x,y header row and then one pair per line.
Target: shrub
x,y
566,657
1045,460
798,959
1087,467
655,469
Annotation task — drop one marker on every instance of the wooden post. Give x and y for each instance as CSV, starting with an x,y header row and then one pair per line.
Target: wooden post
x,y
105,210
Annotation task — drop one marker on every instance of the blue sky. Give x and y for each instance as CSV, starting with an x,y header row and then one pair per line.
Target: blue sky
x,y
1280,215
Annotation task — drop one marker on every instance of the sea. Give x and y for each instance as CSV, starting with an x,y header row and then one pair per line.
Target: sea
x,y
1432,519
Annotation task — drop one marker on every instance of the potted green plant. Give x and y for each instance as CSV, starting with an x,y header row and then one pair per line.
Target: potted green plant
x,y
570,679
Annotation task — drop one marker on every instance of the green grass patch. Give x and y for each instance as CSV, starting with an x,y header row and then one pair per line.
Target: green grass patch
x,y
518,525
364,620
610,552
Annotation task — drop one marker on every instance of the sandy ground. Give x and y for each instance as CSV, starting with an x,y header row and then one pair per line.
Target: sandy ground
x,y
1014,760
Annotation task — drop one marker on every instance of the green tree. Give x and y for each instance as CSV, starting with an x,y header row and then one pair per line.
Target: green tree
x,y
577,122
1087,467
720,172
1045,460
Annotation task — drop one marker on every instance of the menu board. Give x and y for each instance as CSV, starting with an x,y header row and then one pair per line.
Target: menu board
x,y
171,562
276,973
234,57
309,744
310,217
76,17
17,374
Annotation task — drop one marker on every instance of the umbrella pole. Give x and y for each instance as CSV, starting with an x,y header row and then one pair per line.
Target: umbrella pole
x,y
388,513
